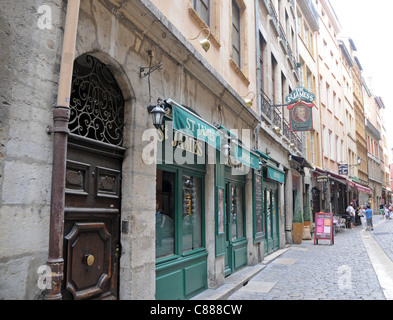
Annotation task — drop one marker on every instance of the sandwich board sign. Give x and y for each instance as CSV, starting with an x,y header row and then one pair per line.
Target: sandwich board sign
x,y
324,227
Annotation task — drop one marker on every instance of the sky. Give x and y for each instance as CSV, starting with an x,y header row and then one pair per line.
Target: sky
x,y
370,25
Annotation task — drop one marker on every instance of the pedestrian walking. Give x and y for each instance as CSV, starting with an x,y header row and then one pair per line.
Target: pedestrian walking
x,y
390,212
369,216
351,211
362,215
387,212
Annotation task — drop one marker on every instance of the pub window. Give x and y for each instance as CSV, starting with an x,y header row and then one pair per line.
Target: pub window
x,y
179,213
202,7
165,214
235,33
192,213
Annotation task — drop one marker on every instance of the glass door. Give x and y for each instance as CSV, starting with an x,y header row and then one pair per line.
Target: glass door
x,y
235,226
271,216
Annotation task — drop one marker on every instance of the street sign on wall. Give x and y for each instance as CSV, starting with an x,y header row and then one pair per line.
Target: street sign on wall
x,y
343,169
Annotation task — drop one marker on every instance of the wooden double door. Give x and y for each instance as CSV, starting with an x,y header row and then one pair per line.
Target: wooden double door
x,y
91,249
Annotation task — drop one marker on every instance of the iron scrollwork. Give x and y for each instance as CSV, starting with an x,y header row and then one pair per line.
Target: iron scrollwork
x,y
97,104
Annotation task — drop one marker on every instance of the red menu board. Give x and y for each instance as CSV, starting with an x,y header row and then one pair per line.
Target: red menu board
x,y
324,227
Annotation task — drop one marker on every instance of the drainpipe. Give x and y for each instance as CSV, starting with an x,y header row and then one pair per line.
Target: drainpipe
x,y
258,128
61,118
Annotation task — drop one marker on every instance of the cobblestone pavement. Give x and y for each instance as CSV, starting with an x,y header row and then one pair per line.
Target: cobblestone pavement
x,y
383,234
323,272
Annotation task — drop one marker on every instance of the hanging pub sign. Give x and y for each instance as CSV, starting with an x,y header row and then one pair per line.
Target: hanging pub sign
x,y
300,115
300,94
300,103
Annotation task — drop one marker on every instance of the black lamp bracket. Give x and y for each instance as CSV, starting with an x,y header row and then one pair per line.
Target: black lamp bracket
x,y
150,68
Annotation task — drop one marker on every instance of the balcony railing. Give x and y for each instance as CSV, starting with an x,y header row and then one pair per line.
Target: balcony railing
x,y
275,117
373,130
286,130
266,105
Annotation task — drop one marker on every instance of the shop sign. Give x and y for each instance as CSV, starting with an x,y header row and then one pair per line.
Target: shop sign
x,y
300,93
246,157
324,227
275,174
177,147
300,116
322,178
343,169
194,126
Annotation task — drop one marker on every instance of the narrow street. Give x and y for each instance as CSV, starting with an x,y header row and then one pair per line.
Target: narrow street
x,y
358,266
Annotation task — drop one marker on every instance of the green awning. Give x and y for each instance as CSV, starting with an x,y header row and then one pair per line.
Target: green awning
x,y
261,154
275,173
194,126
191,124
246,157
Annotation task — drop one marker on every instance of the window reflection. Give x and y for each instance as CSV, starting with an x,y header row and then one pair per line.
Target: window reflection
x,y
165,214
188,201
192,213
237,219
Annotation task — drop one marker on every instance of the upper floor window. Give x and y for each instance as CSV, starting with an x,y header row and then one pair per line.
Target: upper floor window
x,y
202,7
235,32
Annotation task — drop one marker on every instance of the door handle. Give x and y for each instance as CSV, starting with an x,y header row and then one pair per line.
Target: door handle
x,y
89,259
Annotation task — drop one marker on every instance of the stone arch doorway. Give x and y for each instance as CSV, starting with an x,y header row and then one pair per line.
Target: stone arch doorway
x,y
95,155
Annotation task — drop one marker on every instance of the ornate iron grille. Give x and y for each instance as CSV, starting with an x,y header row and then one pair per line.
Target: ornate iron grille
x,y
97,104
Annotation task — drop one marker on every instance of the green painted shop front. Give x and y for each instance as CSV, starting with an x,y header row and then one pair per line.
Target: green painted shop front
x,y
181,253
230,178
266,201
181,256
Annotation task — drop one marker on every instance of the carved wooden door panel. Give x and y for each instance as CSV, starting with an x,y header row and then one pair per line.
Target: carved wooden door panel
x,y
92,213
93,181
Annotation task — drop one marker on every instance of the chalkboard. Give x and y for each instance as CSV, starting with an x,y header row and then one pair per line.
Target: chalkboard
x,y
258,203
324,227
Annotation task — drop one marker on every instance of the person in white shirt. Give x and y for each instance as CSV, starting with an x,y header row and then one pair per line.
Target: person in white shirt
x,y
362,215
351,211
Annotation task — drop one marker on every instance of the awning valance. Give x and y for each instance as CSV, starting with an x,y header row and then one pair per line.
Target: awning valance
x,y
275,173
362,188
246,157
358,186
191,124
302,162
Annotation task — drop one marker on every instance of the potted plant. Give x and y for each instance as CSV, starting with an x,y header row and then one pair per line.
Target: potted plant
x,y
298,220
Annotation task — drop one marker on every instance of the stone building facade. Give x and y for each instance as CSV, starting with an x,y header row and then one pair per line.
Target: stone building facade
x,y
97,201
101,211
